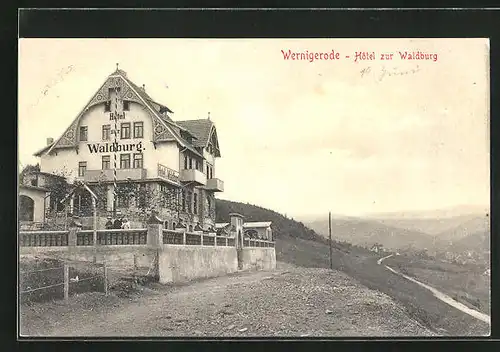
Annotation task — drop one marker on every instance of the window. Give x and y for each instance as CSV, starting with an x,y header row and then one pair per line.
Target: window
x,y
82,167
173,226
185,161
190,163
189,201
209,171
124,161
197,165
106,162
195,203
126,105
106,132
114,90
184,195
138,130
137,160
125,130
107,106
84,133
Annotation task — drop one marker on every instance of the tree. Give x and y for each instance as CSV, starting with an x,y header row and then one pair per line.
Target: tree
x,y
28,169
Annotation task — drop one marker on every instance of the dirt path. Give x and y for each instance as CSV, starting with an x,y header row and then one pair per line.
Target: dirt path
x,y
290,301
441,296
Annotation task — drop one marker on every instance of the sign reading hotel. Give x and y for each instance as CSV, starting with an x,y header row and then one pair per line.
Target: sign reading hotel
x,y
115,146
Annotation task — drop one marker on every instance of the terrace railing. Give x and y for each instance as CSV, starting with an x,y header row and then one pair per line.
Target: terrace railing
x,y
251,242
113,237
167,173
43,238
131,237
195,239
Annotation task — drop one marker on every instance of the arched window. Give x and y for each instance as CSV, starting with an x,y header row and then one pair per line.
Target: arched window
x,y
190,228
165,224
173,226
26,208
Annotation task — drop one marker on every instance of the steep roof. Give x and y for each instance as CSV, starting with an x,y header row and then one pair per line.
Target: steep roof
x,y
44,149
200,128
257,224
171,129
221,225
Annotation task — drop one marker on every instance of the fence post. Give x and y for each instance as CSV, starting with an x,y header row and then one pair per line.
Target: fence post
x,y
74,226
155,230
184,237
105,268
215,240
201,239
66,281
226,242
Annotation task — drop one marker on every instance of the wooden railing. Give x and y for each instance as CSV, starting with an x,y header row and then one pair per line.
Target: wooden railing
x,y
168,173
195,239
43,238
121,236
112,237
248,242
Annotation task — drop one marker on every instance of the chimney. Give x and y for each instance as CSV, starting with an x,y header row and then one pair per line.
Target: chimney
x,y
50,141
144,87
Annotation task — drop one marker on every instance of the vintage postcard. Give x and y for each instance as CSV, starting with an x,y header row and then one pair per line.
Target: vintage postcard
x,y
254,187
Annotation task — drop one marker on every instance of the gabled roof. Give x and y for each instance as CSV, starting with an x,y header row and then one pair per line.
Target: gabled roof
x,y
257,224
221,225
44,149
200,128
170,128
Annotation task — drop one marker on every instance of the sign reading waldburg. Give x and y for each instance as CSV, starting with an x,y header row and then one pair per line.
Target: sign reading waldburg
x,y
115,147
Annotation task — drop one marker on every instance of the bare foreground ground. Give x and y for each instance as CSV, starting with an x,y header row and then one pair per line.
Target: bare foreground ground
x,y
290,301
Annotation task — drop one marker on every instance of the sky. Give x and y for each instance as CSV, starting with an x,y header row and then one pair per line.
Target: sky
x,y
302,138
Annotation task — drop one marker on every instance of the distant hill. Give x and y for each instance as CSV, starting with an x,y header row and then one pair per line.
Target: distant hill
x,y
476,242
368,232
460,231
430,226
459,210
281,225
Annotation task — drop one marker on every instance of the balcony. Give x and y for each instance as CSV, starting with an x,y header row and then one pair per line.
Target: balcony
x,y
215,185
121,175
193,175
168,174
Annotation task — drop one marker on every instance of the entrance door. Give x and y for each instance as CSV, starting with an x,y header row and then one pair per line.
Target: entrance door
x,y
239,250
26,208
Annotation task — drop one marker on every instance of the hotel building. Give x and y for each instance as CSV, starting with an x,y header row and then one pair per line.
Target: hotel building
x,y
126,144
